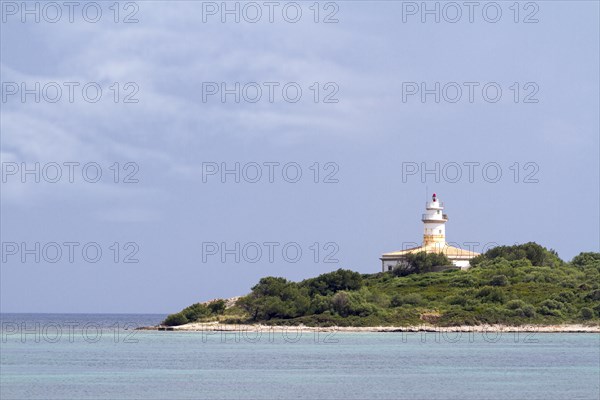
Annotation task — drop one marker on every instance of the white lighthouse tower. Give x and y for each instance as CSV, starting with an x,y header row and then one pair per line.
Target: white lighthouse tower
x,y
434,223
434,240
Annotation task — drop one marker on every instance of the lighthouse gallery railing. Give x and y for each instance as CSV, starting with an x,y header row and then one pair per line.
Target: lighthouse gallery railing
x,y
434,217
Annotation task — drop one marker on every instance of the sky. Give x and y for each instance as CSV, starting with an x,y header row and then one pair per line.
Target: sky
x,y
177,155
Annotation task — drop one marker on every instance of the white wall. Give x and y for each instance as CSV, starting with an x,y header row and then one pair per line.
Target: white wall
x,y
463,264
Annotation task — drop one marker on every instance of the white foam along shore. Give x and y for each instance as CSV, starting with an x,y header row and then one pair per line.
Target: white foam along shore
x,y
215,326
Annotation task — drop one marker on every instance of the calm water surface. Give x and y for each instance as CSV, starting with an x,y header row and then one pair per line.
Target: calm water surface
x,y
62,356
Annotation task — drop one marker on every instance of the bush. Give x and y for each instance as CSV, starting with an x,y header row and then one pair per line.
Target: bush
x,y
514,304
586,259
332,282
396,301
353,303
463,281
175,320
414,299
520,308
457,317
319,304
586,313
538,255
522,263
456,300
217,306
552,304
528,310
499,280
421,262
379,299
491,294
275,298
551,307
340,303
593,295
196,312
565,297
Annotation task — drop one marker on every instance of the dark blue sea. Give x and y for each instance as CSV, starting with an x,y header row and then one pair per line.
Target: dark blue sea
x,y
101,356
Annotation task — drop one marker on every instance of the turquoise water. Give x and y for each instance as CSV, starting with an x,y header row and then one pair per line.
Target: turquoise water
x,y
127,364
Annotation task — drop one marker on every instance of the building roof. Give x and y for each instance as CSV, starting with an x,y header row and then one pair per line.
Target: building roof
x,y
449,251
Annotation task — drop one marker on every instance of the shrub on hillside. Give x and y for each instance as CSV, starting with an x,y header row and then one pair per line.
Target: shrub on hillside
x,y
551,308
528,310
319,304
593,295
413,299
586,313
521,309
175,319
514,304
353,303
456,300
463,281
217,306
420,263
332,282
491,294
196,312
275,298
565,297
586,259
538,255
552,304
458,317
499,280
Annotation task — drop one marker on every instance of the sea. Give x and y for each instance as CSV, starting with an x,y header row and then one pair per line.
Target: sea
x,y
103,356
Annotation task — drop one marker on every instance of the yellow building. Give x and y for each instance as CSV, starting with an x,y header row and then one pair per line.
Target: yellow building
x,y
434,240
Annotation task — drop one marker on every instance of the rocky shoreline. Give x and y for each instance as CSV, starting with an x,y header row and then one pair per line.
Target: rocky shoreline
x,y
215,326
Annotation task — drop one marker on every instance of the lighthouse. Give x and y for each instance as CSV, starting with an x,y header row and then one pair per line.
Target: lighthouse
x,y
434,241
434,223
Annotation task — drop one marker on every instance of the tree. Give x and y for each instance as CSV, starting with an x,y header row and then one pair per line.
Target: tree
x,y
332,282
275,298
340,302
421,262
586,259
217,306
414,299
586,313
353,303
175,320
538,255
499,280
196,312
491,294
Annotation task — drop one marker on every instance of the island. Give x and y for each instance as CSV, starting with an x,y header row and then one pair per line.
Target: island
x,y
521,287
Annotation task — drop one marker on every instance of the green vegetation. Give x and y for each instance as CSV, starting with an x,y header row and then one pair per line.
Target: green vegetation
x,y
514,285
196,312
420,263
536,254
